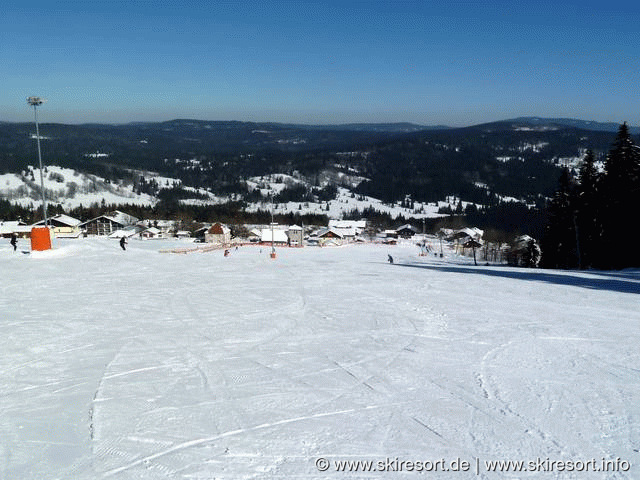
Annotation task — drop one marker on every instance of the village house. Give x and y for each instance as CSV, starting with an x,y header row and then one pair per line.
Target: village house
x,y
8,228
330,237
329,233
218,233
295,236
105,225
348,229
406,231
63,226
152,233
165,227
275,234
358,226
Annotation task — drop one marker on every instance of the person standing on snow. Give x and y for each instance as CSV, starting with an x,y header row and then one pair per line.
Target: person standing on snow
x,y
123,242
390,259
14,241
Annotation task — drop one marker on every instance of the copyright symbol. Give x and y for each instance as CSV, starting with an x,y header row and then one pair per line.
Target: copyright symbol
x,y
322,464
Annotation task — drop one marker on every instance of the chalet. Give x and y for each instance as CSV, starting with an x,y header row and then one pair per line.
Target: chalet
x,y
330,233
152,233
63,226
105,225
349,229
330,237
463,234
166,227
358,226
406,231
218,233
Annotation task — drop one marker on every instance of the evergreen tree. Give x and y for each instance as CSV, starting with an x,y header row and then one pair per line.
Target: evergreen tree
x,y
587,215
620,196
587,224
559,240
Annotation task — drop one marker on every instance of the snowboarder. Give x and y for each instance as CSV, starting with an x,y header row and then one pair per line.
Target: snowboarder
x,y
14,241
123,242
390,258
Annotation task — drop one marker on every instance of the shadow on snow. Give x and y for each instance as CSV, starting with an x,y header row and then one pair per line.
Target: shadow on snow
x,y
623,282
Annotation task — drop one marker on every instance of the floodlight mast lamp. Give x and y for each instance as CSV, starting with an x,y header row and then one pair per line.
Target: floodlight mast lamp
x,y
35,102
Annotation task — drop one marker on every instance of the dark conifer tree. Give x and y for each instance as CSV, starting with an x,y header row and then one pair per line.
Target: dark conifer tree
x,y
620,194
587,213
559,240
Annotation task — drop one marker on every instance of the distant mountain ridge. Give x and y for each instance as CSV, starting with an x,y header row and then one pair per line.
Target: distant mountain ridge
x,y
363,127
576,123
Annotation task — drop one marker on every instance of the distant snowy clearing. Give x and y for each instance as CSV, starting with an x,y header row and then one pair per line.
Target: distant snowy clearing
x,y
145,365
68,188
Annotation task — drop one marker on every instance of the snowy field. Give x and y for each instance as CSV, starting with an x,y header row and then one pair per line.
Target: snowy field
x,y
147,365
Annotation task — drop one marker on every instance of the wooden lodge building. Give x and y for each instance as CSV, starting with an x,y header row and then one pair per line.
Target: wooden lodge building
x,y
105,225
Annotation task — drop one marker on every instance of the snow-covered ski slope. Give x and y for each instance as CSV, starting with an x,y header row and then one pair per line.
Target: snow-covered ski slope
x,y
147,365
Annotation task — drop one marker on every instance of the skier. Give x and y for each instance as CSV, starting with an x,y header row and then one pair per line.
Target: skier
x,y
123,242
14,241
390,258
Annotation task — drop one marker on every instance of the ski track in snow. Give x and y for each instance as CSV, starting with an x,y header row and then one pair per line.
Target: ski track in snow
x,y
141,365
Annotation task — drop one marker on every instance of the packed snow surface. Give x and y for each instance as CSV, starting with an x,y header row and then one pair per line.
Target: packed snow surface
x,y
145,365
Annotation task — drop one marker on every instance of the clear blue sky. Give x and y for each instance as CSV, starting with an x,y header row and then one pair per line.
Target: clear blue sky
x,y
319,62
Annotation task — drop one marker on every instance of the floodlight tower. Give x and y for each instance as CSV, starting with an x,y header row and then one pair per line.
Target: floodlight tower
x,y
35,102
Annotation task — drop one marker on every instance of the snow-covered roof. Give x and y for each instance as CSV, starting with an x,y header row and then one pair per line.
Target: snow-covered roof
x,y
278,235
407,226
64,219
13,227
348,224
346,231
122,218
327,231
471,232
295,227
116,216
